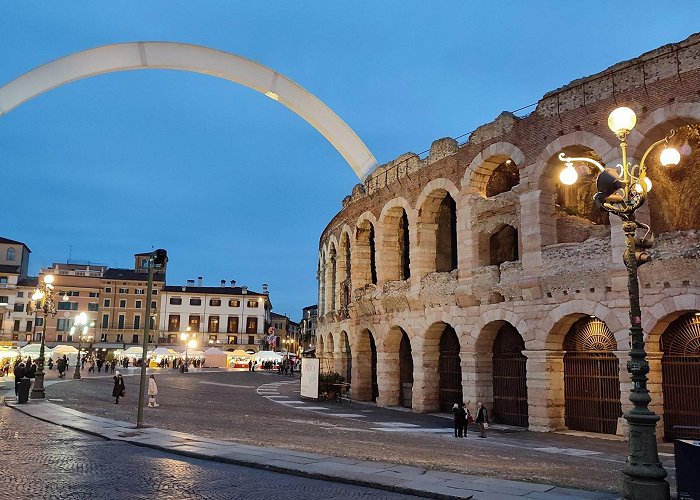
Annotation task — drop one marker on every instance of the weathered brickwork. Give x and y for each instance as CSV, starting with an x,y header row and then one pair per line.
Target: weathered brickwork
x,y
566,268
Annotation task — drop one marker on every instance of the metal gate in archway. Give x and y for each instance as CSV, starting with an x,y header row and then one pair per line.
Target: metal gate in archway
x,y
405,371
509,378
450,370
591,378
680,368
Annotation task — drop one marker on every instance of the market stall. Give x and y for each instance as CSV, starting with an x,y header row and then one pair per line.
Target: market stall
x,y
238,359
214,358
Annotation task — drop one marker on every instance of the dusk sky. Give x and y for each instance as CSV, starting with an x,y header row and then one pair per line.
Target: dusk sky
x,y
233,184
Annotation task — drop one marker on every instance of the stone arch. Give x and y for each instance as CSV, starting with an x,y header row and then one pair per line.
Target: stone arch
x,y
364,252
364,366
482,166
197,59
437,369
396,368
654,126
320,350
558,322
331,274
656,319
344,357
396,223
329,354
344,263
437,228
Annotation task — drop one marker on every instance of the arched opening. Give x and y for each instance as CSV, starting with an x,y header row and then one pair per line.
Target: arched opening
x,y
365,254
320,352
673,201
449,370
345,275
680,369
405,371
321,286
503,246
331,281
346,357
591,378
446,236
329,355
509,378
364,368
503,178
396,251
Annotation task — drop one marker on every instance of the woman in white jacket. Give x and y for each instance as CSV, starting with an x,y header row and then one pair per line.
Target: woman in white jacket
x,y
152,392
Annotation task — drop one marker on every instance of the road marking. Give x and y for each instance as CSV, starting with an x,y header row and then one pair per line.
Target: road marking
x,y
229,385
292,402
277,396
568,451
415,430
396,424
348,415
666,454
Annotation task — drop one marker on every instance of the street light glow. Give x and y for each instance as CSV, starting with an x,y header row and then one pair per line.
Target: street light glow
x,y
670,156
622,120
568,176
48,279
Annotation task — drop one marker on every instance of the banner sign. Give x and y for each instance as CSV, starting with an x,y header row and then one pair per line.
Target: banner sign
x,y
309,378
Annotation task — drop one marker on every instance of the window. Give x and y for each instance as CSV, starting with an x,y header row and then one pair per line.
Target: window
x,y
194,323
138,304
105,321
64,324
144,263
251,339
176,301
215,302
15,327
153,304
122,303
59,337
232,326
123,290
120,337
19,307
3,280
120,322
137,322
93,307
93,294
72,293
67,306
234,303
150,339
172,339
233,339
134,339
10,254
174,323
212,338
30,326
213,324
103,337
39,321
251,325
139,291
152,323
253,303
20,294
154,291
4,299
108,289
196,302
107,302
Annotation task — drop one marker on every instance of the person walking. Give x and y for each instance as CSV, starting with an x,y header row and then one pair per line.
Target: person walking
x,y
20,371
460,419
482,418
119,389
152,392
113,365
469,418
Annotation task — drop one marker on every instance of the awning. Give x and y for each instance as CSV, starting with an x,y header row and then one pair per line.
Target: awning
x,y
107,345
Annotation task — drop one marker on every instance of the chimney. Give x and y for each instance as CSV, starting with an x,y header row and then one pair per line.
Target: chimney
x,y
190,282
244,289
223,283
199,281
233,283
264,288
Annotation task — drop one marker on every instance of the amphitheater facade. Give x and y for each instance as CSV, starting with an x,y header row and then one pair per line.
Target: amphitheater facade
x,y
472,274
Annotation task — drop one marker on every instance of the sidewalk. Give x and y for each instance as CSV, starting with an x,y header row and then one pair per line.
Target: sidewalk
x,y
391,477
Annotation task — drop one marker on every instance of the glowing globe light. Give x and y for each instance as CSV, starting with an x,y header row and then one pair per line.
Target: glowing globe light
x,y
568,176
48,279
622,120
647,183
670,156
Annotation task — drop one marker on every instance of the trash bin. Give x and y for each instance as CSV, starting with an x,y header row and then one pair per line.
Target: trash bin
x,y
687,453
23,390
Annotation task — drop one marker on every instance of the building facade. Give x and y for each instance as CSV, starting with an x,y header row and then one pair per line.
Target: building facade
x,y
473,274
14,263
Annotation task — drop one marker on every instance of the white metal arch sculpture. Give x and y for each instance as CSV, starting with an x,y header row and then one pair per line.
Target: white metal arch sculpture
x,y
197,59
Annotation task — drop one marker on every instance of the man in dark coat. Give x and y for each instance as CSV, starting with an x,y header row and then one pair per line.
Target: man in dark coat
x,y
482,418
20,371
119,390
460,420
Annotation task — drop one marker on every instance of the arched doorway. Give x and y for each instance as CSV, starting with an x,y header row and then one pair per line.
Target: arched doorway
x,y
680,369
509,378
375,385
364,368
405,372
450,370
346,356
591,378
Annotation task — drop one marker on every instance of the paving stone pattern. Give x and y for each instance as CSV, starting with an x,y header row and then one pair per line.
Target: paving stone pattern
x,y
51,462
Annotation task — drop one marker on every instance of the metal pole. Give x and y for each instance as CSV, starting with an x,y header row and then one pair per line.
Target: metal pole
x,y
76,375
644,475
144,354
38,391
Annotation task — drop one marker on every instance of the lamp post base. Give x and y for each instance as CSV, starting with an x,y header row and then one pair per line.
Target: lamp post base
x,y
38,391
634,488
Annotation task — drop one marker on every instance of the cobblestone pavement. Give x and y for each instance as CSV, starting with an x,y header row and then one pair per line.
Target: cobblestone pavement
x,y
241,407
50,462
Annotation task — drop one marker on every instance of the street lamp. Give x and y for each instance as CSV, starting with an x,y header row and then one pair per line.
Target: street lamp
x,y
80,327
42,300
190,343
621,191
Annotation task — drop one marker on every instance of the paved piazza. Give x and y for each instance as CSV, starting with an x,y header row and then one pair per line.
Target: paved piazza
x,y
48,461
264,409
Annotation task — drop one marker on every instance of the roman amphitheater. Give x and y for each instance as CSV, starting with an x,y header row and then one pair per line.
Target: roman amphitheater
x,y
472,274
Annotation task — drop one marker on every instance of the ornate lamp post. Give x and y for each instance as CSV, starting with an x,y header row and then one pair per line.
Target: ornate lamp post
x,y
80,327
190,343
621,191
42,301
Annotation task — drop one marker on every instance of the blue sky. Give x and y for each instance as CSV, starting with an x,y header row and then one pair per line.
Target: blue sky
x,y
235,185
